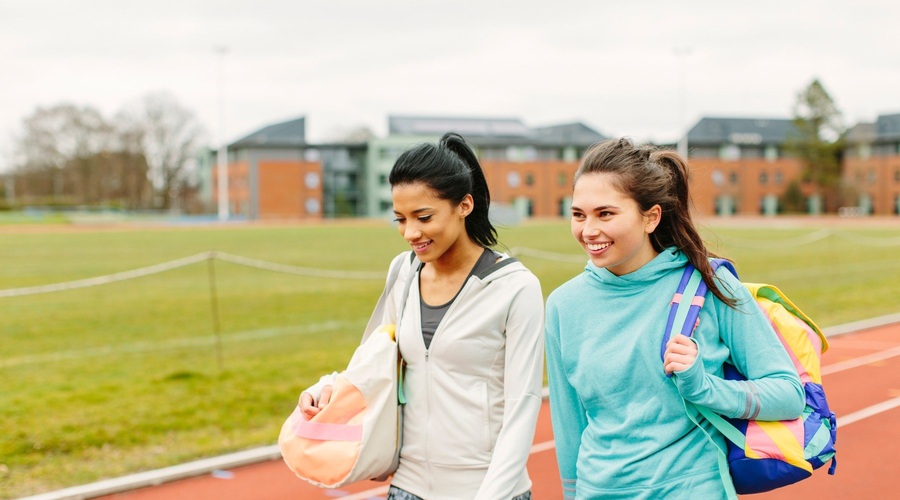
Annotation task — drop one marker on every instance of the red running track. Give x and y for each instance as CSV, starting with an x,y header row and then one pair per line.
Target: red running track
x,y
861,378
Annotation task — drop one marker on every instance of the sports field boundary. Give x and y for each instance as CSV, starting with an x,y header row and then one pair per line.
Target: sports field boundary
x,y
266,453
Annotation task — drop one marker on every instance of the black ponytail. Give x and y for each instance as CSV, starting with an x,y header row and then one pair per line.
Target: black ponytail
x,y
451,169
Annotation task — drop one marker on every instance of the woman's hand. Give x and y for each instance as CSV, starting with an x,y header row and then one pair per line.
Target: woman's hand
x,y
308,406
680,354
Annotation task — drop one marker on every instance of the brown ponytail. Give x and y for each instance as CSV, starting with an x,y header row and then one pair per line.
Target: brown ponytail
x,y
678,228
652,176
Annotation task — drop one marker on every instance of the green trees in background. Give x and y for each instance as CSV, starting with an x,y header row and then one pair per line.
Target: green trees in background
x,y
819,142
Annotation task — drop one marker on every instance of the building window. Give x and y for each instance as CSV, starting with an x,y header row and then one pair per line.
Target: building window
x,y
312,206
382,180
513,179
730,152
733,177
529,179
763,178
312,155
563,180
779,177
521,153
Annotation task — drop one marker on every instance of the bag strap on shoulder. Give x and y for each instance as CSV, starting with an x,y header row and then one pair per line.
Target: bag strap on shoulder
x,y
683,314
393,274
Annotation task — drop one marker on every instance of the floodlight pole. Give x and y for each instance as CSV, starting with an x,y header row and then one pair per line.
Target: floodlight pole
x,y
682,53
222,155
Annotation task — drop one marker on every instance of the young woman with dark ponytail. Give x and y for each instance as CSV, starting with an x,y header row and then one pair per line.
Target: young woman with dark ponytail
x,y
471,335
619,421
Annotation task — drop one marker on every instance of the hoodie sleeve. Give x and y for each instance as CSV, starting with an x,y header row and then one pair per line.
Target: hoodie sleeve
x,y
566,412
524,370
772,390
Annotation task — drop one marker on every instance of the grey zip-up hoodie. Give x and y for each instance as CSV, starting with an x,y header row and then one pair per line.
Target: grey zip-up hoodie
x,y
473,397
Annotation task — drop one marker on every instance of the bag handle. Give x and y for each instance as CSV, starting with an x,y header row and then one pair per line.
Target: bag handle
x,y
378,313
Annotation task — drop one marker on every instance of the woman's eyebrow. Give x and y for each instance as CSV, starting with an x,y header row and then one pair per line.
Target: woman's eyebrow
x,y
416,211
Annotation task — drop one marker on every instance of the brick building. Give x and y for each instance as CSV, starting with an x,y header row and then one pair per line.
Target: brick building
x,y
528,169
740,166
273,174
872,166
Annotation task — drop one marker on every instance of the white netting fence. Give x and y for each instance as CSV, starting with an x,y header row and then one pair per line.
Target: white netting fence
x,y
768,244
187,261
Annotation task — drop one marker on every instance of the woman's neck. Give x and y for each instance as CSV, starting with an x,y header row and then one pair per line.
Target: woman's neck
x,y
460,257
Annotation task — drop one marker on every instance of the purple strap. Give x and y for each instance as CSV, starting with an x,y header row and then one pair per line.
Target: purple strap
x,y
696,302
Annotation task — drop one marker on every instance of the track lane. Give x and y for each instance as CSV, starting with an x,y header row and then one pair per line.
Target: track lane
x,y
866,464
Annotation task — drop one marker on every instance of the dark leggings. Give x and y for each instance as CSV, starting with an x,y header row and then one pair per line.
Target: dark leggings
x,y
395,493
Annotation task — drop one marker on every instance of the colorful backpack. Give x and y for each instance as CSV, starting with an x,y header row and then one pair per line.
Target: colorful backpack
x,y
764,455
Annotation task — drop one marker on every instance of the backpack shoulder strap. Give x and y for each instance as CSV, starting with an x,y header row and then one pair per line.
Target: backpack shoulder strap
x,y
687,302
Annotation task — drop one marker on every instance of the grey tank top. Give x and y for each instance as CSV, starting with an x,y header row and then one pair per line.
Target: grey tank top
x,y
432,315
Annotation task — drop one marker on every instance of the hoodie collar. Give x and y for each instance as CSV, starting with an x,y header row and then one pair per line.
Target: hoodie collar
x,y
670,258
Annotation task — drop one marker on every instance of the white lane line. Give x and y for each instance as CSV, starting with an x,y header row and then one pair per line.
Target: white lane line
x,y
539,447
860,361
867,412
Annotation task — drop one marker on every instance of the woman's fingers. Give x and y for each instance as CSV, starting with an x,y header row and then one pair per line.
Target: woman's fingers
x,y
680,354
308,406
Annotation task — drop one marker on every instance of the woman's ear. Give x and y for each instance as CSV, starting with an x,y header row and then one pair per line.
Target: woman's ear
x,y
466,206
652,218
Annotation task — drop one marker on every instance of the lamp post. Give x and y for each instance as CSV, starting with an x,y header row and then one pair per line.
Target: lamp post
x,y
222,155
681,53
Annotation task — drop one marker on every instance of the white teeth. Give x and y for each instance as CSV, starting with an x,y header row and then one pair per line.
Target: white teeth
x,y
597,246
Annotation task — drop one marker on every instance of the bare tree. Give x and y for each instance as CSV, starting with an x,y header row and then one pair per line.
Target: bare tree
x,y
169,137
62,144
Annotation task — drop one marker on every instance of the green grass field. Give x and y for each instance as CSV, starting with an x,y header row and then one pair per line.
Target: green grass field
x,y
108,380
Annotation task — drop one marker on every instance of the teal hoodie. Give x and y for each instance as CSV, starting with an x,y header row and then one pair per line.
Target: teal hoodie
x,y
619,423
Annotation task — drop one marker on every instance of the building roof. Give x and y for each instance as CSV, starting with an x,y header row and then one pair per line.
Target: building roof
x,y
887,127
474,129
289,134
741,131
576,134
495,131
861,133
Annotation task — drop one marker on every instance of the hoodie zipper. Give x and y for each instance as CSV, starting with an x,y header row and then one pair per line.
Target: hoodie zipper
x,y
428,390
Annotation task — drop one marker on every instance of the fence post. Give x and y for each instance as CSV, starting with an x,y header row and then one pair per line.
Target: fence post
x,y
214,307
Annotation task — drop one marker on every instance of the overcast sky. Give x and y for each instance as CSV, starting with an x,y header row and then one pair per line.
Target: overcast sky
x,y
646,69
